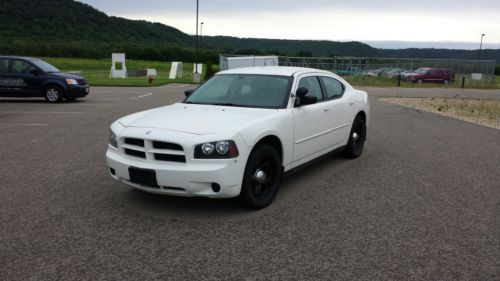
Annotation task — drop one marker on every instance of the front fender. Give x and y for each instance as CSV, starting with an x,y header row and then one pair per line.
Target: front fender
x,y
56,82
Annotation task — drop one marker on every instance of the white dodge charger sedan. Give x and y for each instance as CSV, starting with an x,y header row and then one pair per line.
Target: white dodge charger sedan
x,y
238,133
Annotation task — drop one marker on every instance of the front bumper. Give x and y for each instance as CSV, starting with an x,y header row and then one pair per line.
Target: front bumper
x,y
77,91
195,177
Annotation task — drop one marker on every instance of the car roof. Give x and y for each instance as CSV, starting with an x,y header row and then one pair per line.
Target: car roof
x,y
274,70
18,57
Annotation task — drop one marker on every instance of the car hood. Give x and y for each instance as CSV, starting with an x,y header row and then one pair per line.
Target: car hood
x,y
196,119
66,75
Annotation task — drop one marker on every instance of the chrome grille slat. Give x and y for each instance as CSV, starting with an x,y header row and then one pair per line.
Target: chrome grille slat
x,y
152,150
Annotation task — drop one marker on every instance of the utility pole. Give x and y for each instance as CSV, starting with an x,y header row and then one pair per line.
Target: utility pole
x,y
197,76
481,46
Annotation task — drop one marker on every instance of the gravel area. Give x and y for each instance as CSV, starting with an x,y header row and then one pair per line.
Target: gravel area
x,y
482,112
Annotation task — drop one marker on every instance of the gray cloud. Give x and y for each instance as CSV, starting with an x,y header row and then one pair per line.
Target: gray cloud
x,y
246,6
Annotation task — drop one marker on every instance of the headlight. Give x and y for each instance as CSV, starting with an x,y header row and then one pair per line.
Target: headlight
x,y
216,150
71,82
113,139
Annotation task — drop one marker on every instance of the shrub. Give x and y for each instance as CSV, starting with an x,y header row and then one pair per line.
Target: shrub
x,y
210,70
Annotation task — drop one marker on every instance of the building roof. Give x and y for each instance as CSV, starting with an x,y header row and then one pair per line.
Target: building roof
x,y
273,70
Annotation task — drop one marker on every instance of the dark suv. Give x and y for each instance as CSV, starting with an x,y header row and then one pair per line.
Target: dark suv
x,y
30,77
427,74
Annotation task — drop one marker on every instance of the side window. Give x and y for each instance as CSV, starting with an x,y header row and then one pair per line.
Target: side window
x,y
4,66
334,88
312,84
20,66
431,72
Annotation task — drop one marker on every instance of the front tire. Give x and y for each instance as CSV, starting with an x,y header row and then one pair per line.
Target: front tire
x,y
53,94
262,177
357,138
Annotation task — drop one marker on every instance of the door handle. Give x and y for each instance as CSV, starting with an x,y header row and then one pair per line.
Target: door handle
x,y
326,110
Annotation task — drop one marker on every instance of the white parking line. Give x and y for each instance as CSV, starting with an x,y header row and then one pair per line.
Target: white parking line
x,y
177,85
15,124
143,96
44,112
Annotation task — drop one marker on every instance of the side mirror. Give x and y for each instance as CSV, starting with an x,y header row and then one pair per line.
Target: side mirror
x,y
301,92
188,93
302,98
35,72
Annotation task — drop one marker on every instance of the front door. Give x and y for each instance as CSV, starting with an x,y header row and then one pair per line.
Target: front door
x,y
311,122
30,82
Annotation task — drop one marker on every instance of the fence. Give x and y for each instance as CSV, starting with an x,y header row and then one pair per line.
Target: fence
x,y
361,65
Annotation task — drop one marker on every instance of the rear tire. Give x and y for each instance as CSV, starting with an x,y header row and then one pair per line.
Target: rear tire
x,y
262,177
357,138
53,94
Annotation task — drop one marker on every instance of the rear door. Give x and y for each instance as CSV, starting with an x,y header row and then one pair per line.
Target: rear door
x,y
435,75
338,111
9,86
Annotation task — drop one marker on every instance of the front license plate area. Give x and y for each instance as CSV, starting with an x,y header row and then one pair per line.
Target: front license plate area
x,y
144,177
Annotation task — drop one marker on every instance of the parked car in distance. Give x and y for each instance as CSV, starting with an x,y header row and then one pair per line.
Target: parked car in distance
x,y
393,73
351,70
427,74
238,133
23,77
374,72
406,73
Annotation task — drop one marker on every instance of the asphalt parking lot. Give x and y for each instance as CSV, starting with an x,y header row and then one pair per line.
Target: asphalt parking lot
x,y
422,203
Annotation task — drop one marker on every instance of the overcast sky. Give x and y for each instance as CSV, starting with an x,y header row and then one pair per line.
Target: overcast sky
x,y
438,22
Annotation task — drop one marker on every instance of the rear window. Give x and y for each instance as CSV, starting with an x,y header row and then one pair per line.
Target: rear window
x,y
4,65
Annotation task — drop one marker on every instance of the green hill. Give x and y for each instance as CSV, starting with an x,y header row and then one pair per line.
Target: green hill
x,y
67,28
71,28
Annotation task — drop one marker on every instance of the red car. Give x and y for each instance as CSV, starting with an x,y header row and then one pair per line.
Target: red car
x,y
427,74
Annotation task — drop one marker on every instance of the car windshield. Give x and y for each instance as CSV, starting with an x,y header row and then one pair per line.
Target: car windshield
x,y
421,70
44,66
245,90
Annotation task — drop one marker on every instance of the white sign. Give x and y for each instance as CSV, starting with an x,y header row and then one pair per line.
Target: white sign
x,y
151,72
477,76
199,69
121,71
176,71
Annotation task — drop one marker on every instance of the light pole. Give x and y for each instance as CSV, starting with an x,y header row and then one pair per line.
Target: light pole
x,y
481,45
196,62
201,34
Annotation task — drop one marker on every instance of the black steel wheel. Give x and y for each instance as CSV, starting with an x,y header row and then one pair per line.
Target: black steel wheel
x,y
262,177
357,138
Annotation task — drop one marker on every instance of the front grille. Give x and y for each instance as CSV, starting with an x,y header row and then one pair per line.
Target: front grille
x,y
135,153
166,145
153,150
170,157
82,82
136,142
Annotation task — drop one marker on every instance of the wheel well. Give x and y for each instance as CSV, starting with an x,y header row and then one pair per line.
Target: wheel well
x,y
53,84
363,115
273,141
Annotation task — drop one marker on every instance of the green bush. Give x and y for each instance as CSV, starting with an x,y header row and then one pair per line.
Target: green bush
x,y
210,70
497,70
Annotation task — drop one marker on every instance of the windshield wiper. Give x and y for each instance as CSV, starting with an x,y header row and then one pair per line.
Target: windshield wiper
x,y
224,104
